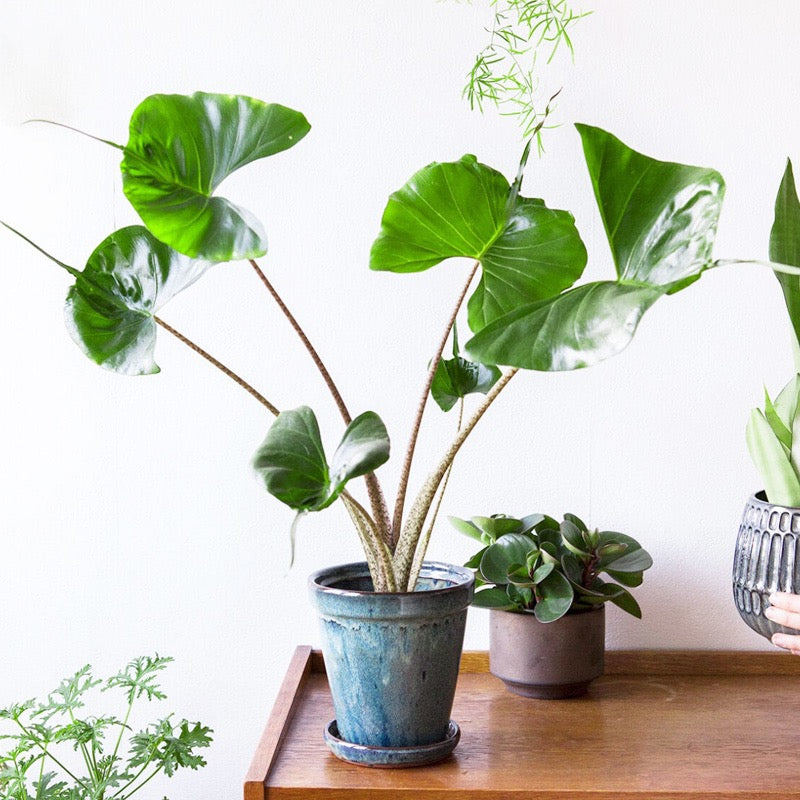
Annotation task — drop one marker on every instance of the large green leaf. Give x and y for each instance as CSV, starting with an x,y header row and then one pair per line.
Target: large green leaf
x,y
578,328
463,208
110,308
508,550
660,217
291,461
179,151
784,244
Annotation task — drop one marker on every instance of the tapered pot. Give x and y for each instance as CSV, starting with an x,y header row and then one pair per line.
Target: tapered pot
x,y
392,662
766,560
547,660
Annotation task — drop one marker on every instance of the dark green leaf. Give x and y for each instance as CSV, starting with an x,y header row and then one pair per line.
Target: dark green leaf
x,y
543,571
577,521
555,594
498,525
532,521
784,243
632,579
627,602
660,217
527,251
179,151
635,561
513,548
456,378
519,596
573,538
291,461
492,598
475,561
127,279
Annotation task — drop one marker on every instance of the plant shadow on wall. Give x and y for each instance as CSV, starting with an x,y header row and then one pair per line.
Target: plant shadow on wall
x,y
523,308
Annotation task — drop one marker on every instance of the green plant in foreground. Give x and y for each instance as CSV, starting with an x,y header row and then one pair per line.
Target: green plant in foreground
x,y
46,736
773,435
551,568
523,306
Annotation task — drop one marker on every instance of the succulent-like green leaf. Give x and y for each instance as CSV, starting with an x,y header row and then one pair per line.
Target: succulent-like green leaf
x,y
521,597
627,602
466,527
500,557
660,217
784,244
631,561
110,308
291,461
498,525
555,598
542,572
527,251
577,521
493,597
576,329
179,151
573,538
781,482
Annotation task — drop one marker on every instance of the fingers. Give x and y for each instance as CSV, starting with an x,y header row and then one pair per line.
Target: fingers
x,y
790,643
784,609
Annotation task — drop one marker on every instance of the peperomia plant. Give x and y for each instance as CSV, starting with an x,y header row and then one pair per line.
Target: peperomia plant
x,y
44,737
522,306
550,568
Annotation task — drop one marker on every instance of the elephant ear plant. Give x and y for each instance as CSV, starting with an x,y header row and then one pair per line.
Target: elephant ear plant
x,y
522,305
550,568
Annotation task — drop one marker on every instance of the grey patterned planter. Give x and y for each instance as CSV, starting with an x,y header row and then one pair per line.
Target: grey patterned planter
x,y
766,560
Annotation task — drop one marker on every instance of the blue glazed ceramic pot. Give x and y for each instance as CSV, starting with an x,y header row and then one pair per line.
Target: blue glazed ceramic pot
x,y
392,658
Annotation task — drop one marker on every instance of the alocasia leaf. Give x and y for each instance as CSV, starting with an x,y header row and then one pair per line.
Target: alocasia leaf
x,y
291,461
784,244
660,218
110,308
179,151
463,208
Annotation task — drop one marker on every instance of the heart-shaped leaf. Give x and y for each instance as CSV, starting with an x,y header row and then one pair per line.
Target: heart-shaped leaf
x,y
660,217
179,151
576,329
291,461
527,251
784,243
110,308
457,377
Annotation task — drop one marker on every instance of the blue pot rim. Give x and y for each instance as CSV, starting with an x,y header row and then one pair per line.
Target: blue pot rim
x,y
333,601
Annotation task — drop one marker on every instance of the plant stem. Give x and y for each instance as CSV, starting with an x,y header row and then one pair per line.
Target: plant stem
x,y
377,500
47,753
219,365
397,520
409,537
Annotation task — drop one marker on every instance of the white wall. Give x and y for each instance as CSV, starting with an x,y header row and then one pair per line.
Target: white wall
x,y
130,521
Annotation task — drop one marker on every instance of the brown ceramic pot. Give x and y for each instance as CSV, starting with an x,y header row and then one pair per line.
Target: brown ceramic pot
x,y
551,660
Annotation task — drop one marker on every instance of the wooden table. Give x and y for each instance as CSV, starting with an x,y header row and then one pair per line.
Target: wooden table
x,y
659,724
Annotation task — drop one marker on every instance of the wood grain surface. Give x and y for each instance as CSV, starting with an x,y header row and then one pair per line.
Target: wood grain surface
x,y
666,725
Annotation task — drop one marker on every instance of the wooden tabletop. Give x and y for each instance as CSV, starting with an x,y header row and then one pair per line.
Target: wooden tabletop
x,y
667,725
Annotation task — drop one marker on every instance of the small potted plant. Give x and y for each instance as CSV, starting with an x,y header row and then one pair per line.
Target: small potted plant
x,y
546,584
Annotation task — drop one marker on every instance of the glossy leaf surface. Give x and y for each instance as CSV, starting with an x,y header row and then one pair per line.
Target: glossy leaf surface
x,y
291,461
179,151
109,310
457,377
511,549
660,217
556,597
784,244
527,251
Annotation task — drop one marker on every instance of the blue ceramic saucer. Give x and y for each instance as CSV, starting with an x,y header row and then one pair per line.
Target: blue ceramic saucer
x,y
391,757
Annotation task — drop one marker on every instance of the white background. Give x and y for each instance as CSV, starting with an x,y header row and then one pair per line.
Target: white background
x,y
130,521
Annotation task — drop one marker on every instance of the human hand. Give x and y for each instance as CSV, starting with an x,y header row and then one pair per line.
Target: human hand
x,y
784,609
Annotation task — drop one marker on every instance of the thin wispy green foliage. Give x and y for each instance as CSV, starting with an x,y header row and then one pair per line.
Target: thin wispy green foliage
x,y
525,36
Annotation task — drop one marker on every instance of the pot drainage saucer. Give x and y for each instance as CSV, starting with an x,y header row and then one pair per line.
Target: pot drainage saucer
x,y
391,757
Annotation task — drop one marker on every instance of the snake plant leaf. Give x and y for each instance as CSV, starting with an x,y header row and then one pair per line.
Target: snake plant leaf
x,y
527,251
181,147
499,558
779,427
555,598
772,461
784,244
660,217
291,461
457,377
576,329
110,308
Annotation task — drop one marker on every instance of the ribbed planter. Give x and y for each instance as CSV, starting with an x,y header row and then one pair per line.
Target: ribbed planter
x,y
547,660
766,560
392,662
